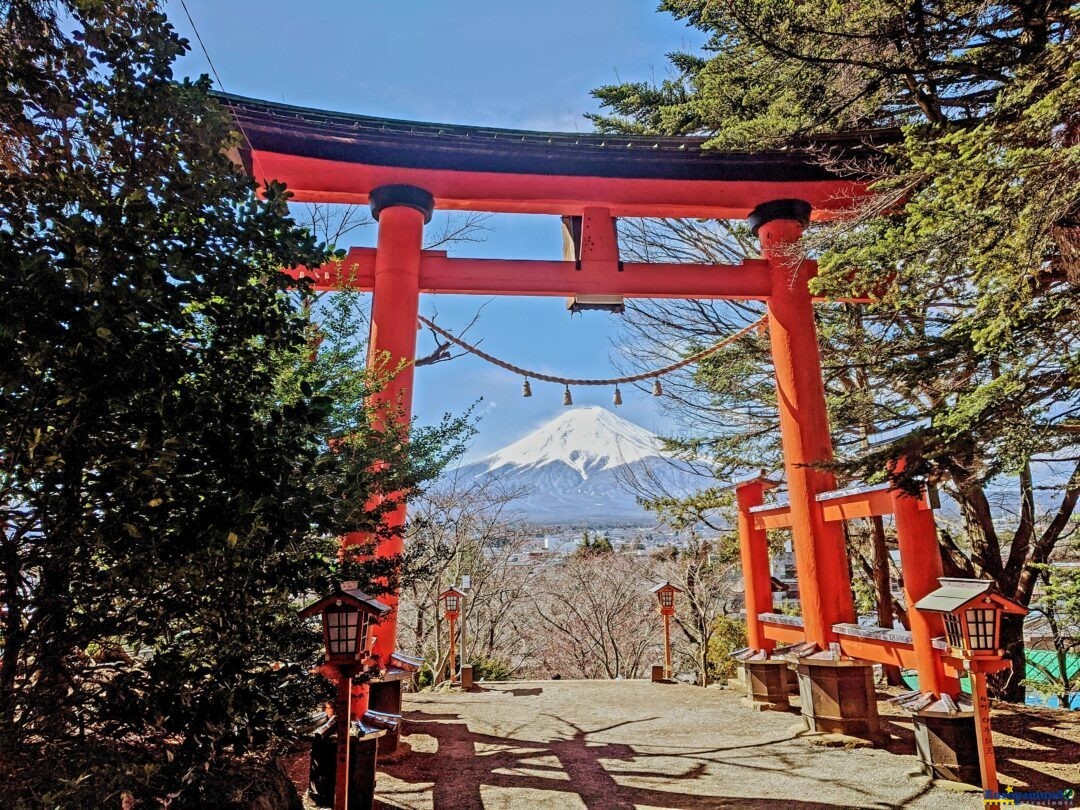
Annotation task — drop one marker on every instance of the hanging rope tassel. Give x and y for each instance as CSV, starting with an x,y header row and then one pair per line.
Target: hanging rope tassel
x,y
526,389
618,396
568,381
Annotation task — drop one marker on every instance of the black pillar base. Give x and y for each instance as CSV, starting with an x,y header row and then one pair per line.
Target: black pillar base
x,y
767,684
947,746
323,774
385,696
838,697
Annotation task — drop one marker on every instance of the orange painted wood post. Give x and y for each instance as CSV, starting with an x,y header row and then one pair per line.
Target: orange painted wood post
x,y
344,716
981,704
667,646
402,212
920,564
820,553
453,651
754,551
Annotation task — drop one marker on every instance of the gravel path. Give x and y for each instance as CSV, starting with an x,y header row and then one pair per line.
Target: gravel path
x,y
634,744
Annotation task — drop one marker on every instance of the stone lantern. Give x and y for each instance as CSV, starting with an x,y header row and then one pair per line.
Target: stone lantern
x,y
972,611
665,596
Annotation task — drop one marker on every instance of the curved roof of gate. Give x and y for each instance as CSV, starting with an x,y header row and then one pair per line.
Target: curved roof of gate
x,y
341,157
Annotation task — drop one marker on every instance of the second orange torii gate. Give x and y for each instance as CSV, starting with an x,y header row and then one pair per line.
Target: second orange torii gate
x,y
920,562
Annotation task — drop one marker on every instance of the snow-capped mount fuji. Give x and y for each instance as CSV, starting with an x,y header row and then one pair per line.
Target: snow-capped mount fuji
x,y
589,440
574,469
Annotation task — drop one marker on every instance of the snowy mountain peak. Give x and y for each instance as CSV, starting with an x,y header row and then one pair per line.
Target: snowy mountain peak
x,y
586,439
575,470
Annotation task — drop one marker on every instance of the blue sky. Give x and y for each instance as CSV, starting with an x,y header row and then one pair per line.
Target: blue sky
x,y
526,65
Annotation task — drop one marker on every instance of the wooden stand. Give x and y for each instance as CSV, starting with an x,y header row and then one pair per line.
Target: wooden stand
x,y
981,705
947,746
838,697
386,698
323,779
667,645
767,684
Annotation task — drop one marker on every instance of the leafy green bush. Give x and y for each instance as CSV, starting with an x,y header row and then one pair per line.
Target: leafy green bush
x,y
169,493
490,669
729,634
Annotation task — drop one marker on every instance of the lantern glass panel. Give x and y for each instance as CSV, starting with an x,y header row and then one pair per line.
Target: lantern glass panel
x,y
953,633
342,629
667,598
365,631
980,623
451,604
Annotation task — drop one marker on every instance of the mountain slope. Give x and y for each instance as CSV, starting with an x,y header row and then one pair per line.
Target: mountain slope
x,y
574,469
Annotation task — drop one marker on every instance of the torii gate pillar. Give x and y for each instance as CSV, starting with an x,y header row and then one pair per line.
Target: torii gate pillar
x,y
754,553
402,212
820,553
836,695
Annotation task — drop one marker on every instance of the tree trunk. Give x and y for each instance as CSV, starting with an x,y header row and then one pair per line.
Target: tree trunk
x,y
1008,685
1061,654
884,591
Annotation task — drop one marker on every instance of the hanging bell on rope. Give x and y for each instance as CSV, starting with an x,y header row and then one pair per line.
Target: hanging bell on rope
x,y
618,396
657,389
526,389
566,398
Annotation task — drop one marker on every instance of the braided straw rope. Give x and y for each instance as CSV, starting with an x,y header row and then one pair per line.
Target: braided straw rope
x,y
648,375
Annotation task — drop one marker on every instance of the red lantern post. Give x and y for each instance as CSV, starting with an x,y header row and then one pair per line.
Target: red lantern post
x,y
972,610
348,614
665,595
452,599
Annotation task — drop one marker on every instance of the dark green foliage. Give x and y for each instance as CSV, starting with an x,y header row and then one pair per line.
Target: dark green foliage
x,y
490,669
167,488
595,543
1056,672
970,358
728,635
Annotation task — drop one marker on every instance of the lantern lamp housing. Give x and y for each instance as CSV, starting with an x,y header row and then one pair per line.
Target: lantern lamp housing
x,y
348,616
451,599
972,610
665,595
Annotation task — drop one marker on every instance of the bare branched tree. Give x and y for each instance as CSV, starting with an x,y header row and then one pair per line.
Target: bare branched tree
x,y
598,615
468,528
333,223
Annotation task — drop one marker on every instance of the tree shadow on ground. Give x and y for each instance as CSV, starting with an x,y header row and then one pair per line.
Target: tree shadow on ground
x,y
518,692
465,762
1030,743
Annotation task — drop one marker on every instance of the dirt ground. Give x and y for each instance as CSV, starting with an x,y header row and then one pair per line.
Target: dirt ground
x,y
634,744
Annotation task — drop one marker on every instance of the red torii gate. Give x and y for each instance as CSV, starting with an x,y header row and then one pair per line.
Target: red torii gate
x,y
404,170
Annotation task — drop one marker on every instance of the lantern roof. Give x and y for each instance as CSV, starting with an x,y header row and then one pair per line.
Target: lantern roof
x,y
453,590
666,586
347,595
956,594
